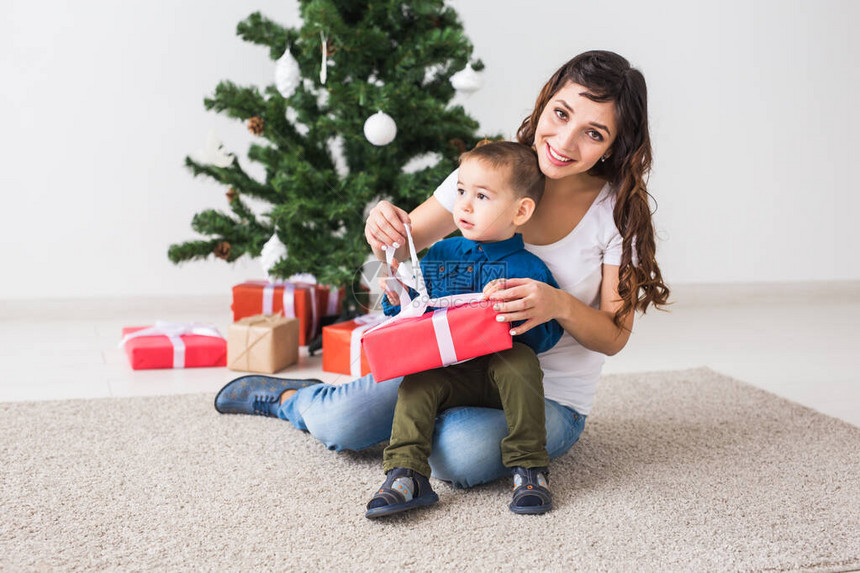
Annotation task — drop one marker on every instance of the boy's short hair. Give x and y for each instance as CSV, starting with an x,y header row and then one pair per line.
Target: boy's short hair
x,y
526,178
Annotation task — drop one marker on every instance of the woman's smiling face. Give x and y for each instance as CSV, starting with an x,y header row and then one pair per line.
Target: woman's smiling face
x,y
573,132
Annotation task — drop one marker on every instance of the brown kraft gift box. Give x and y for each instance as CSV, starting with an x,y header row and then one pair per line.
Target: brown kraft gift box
x,y
263,343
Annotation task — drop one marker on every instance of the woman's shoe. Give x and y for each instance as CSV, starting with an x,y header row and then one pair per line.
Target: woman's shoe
x,y
258,395
404,489
531,491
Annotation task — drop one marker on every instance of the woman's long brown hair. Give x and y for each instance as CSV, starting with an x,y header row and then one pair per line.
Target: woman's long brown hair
x,y
610,78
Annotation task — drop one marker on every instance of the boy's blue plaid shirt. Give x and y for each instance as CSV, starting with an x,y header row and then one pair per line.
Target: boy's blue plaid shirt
x,y
459,265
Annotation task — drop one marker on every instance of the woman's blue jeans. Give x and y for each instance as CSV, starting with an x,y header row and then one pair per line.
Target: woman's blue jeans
x,y
466,441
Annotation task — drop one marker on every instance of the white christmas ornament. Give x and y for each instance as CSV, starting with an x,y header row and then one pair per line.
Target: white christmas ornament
x,y
324,65
214,153
467,80
273,251
380,129
287,74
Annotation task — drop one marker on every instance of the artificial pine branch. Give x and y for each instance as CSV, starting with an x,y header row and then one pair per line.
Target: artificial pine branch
x,y
257,29
233,176
247,217
238,102
213,223
191,250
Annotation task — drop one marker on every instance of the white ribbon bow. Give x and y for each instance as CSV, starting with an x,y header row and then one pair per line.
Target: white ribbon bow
x,y
422,301
174,331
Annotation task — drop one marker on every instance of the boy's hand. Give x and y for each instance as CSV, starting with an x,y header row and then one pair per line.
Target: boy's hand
x,y
385,283
392,296
492,287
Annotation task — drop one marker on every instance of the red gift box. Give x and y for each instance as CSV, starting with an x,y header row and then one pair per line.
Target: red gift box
x,y
342,352
435,339
305,301
160,351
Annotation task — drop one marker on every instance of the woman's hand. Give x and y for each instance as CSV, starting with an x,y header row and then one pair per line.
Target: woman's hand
x,y
522,299
384,226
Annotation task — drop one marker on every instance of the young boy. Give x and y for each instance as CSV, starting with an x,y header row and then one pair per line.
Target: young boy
x,y
499,186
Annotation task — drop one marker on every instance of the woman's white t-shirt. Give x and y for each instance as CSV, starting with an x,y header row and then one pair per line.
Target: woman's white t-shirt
x,y
570,370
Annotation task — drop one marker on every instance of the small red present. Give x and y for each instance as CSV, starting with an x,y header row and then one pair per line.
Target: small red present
x,y
306,301
342,353
174,345
405,345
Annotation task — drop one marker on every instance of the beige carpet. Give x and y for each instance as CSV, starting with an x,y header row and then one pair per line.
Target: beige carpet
x,y
676,471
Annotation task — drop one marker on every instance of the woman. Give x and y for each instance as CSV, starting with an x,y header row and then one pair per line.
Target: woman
x,y
592,228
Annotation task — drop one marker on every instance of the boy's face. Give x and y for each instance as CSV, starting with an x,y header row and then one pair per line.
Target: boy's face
x,y
486,208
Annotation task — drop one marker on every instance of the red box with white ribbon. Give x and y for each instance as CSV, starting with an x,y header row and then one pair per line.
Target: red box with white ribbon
x,y
173,345
306,301
342,353
442,337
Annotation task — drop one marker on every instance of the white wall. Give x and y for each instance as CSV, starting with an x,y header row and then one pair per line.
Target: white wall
x,y
753,110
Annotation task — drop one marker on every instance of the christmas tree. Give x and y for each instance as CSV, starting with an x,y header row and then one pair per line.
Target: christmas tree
x,y
349,61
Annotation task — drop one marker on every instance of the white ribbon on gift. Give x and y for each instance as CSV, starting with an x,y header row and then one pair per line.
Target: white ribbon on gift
x,y
363,322
174,331
418,305
333,296
289,299
268,297
444,339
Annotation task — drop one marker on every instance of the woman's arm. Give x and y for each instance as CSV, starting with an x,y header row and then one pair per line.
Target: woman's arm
x,y
430,222
537,302
594,328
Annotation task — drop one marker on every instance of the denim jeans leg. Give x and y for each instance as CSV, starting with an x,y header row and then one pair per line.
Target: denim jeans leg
x,y
467,442
351,416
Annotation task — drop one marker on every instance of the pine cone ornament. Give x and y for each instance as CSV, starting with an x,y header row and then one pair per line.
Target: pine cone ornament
x,y
459,144
232,194
255,125
222,250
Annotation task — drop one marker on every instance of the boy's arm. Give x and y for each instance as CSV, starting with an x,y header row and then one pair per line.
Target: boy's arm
x,y
390,309
543,336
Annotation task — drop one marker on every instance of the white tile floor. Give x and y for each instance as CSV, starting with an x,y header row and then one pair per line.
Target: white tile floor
x,y
799,341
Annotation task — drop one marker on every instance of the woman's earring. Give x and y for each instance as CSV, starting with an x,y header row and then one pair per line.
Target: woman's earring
x,y
602,159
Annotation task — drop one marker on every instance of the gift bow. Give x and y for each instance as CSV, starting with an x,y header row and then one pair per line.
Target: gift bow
x,y
418,305
414,280
422,301
174,331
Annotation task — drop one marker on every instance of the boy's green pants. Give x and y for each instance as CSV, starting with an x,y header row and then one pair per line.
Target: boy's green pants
x,y
511,380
